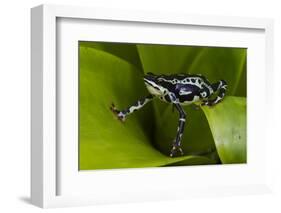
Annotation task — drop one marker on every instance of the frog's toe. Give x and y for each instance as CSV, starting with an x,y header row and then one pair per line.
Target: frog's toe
x,y
113,109
207,103
117,113
176,149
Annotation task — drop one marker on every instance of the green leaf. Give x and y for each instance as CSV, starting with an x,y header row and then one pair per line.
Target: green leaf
x,y
242,85
105,142
167,59
127,52
194,160
227,121
218,63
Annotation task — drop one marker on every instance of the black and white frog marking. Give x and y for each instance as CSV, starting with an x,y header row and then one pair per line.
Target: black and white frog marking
x,y
179,90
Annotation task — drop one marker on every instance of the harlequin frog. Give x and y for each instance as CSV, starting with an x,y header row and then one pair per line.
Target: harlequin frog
x,y
178,90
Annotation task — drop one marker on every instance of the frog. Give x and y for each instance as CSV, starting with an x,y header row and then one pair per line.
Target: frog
x,y
178,90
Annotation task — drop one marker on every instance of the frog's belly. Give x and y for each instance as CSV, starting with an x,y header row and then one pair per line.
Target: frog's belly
x,y
188,102
182,100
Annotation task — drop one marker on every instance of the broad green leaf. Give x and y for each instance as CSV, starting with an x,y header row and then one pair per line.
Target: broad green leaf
x,y
242,85
227,121
124,51
167,59
104,141
217,63
194,160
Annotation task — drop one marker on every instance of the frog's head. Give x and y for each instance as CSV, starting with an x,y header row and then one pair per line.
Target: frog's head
x,y
153,85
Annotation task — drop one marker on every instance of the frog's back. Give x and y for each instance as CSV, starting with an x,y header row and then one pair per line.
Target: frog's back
x,y
184,87
183,78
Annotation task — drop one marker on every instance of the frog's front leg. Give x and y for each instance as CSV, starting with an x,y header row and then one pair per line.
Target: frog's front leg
x,y
122,114
220,87
177,142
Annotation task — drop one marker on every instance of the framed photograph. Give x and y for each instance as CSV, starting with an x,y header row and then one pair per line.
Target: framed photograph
x,y
129,106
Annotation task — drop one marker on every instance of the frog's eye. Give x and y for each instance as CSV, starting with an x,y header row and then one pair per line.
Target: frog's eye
x,y
204,94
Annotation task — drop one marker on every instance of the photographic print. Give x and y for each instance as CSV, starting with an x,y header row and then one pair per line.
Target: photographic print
x,y
152,105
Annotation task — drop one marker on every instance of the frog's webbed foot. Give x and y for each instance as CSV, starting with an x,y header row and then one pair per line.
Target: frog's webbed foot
x,y
176,149
122,114
119,114
207,103
211,103
220,87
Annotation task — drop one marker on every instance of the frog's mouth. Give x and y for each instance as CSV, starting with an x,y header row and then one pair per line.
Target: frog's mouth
x,y
152,87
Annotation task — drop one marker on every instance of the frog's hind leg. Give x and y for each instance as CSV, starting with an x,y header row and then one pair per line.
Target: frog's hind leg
x,y
177,143
220,87
122,114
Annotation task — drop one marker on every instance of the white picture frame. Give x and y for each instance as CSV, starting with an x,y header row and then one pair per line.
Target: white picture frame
x,y
46,169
